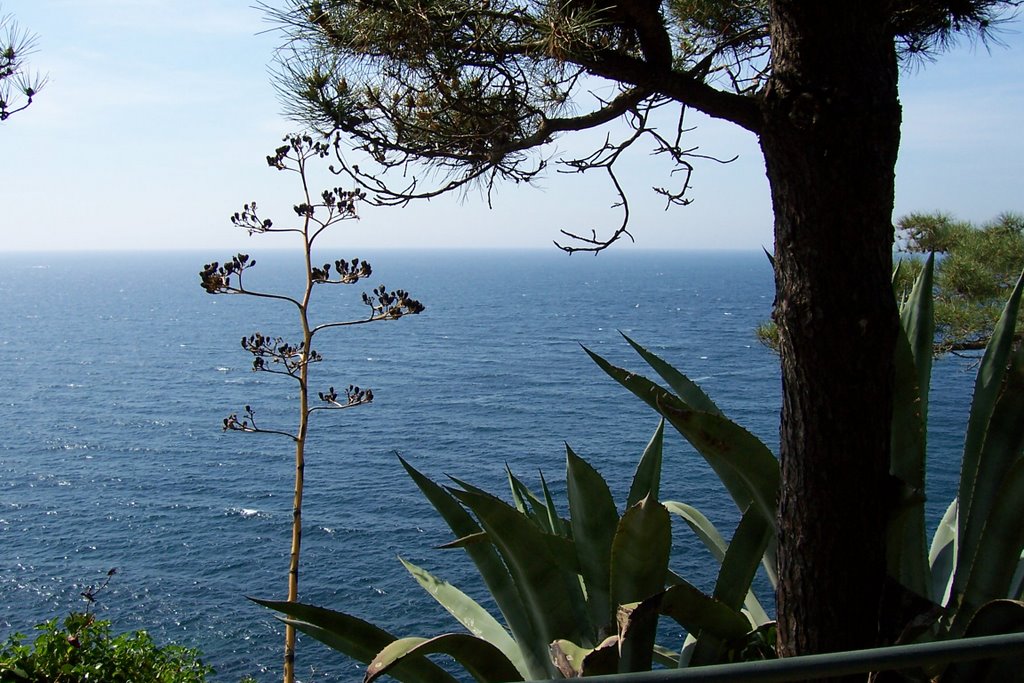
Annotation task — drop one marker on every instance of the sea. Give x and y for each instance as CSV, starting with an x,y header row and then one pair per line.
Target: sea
x,y
117,370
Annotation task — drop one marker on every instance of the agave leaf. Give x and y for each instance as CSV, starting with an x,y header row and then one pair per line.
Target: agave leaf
x,y
734,579
742,559
469,487
770,560
568,657
481,659
905,545
563,550
736,452
707,650
917,317
914,353
743,463
701,526
541,510
555,522
976,477
594,519
470,614
994,618
639,568
999,549
685,388
942,556
576,662
478,537
761,643
518,498
673,579
1001,451
906,557
1017,584
640,552
686,652
354,637
551,595
715,542
647,478
896,272
492,570
698,612
526,501
637,630
666,657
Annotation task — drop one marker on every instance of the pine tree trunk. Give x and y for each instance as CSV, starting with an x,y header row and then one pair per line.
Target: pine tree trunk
x,y
830,140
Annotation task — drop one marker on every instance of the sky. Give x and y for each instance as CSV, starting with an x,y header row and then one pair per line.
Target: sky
x,y
157,116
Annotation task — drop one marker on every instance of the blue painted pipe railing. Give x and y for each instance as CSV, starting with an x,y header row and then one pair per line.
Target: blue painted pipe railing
x,y
834,663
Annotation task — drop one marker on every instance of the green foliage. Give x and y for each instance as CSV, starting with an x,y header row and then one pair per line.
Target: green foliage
x,y
82,648
436,96
440,95
976,555
767,333
973,276
589,590
994,618
979,266
989,538
18,86
581,595
471,86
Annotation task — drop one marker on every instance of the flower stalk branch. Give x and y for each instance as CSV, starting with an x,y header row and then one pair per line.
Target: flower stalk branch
x,y
314,214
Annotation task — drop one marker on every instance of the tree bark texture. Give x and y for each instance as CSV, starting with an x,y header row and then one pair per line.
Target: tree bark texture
x,y
830,138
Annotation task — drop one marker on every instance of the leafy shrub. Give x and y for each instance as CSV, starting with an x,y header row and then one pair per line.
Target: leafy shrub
x,y
82,648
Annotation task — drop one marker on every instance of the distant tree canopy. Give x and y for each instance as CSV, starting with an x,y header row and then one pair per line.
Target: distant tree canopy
x,y
18,86
977,268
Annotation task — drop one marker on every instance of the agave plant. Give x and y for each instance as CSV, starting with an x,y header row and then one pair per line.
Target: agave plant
x,y
583,595
975,559
975,555
577,595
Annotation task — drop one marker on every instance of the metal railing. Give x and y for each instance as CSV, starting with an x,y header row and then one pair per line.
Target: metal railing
x,y
834,663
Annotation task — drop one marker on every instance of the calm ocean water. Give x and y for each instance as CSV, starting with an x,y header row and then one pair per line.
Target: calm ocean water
x,y
117,369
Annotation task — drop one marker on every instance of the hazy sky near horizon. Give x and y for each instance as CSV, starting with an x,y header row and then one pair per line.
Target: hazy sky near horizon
x,y
157,116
